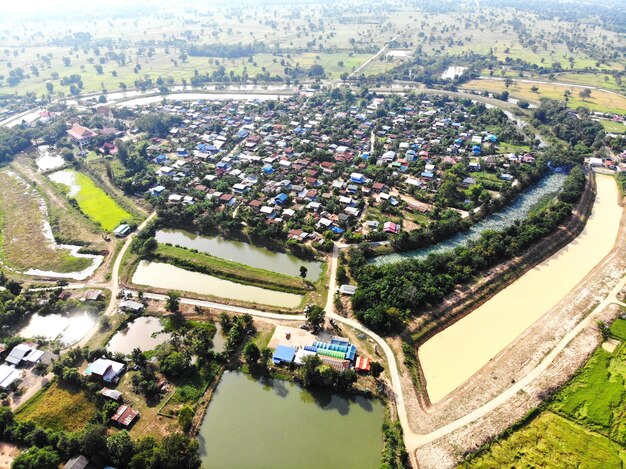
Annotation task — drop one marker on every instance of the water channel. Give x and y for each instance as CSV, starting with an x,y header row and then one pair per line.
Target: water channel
x,y
145,333
169,277
517,210
451,357
243,253
251,425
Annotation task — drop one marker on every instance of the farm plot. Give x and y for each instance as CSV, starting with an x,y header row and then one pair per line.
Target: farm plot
x,y
551,441
596,396
24,223
92,201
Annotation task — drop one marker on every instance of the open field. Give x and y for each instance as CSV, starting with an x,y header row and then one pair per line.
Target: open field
x,y
613,126
551,441
230,270
24,244
58,409
601,101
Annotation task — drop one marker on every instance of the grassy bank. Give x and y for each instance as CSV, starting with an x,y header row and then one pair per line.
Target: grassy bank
x,y
229,270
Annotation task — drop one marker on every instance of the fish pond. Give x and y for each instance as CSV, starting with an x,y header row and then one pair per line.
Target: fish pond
x,y
243,253
280,425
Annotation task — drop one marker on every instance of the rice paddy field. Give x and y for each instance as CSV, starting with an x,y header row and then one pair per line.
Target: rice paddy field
x,y
584,426
551,441
24,244
94,202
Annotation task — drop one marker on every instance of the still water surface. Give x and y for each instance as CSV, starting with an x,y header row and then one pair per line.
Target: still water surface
x,y
251,425
455,354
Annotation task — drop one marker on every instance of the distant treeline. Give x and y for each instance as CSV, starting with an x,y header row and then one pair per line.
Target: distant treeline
x,y
229,51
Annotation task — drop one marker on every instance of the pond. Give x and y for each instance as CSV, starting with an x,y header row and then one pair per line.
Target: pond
x,y
251,425
144,333
67,329
66,177
169,277
47,160
517,210
455,354
243,253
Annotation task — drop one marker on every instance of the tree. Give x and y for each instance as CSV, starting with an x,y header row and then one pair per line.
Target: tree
x,y
303,271
508,81
185,418
179,452
315,315
585,94
172,303
251,353
376,369
175,364
37,458
534,89
121,448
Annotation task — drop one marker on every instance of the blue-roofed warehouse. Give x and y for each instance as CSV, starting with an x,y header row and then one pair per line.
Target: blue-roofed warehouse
x,y
283,354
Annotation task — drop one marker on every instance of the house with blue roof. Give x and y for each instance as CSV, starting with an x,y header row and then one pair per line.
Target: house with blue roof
x,y
427,174
283,354
476,149
280,199
268,169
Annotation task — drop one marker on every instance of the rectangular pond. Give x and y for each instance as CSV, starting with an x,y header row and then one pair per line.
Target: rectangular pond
x,y
170,277
281,425
243,253
451,357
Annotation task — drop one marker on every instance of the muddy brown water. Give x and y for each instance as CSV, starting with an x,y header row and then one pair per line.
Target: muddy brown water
x,y
451,357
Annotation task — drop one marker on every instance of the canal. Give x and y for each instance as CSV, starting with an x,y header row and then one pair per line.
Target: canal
x,y
517,210
243,253
281,425
451,357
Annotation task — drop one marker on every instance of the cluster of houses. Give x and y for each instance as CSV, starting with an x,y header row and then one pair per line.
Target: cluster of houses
x,y
109,372
307,164
18,360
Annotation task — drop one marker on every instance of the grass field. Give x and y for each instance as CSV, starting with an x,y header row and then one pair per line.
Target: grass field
x,y
613,127
618,328
230,270
551,441
97,204
595,395
58,409
23,242
599,101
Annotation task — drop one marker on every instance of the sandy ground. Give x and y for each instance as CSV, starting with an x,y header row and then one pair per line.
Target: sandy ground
x,y
515,362
8,452
610,345
298,338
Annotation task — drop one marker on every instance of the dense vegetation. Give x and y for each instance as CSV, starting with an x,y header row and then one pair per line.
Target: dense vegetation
x,y
389,294
47,448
